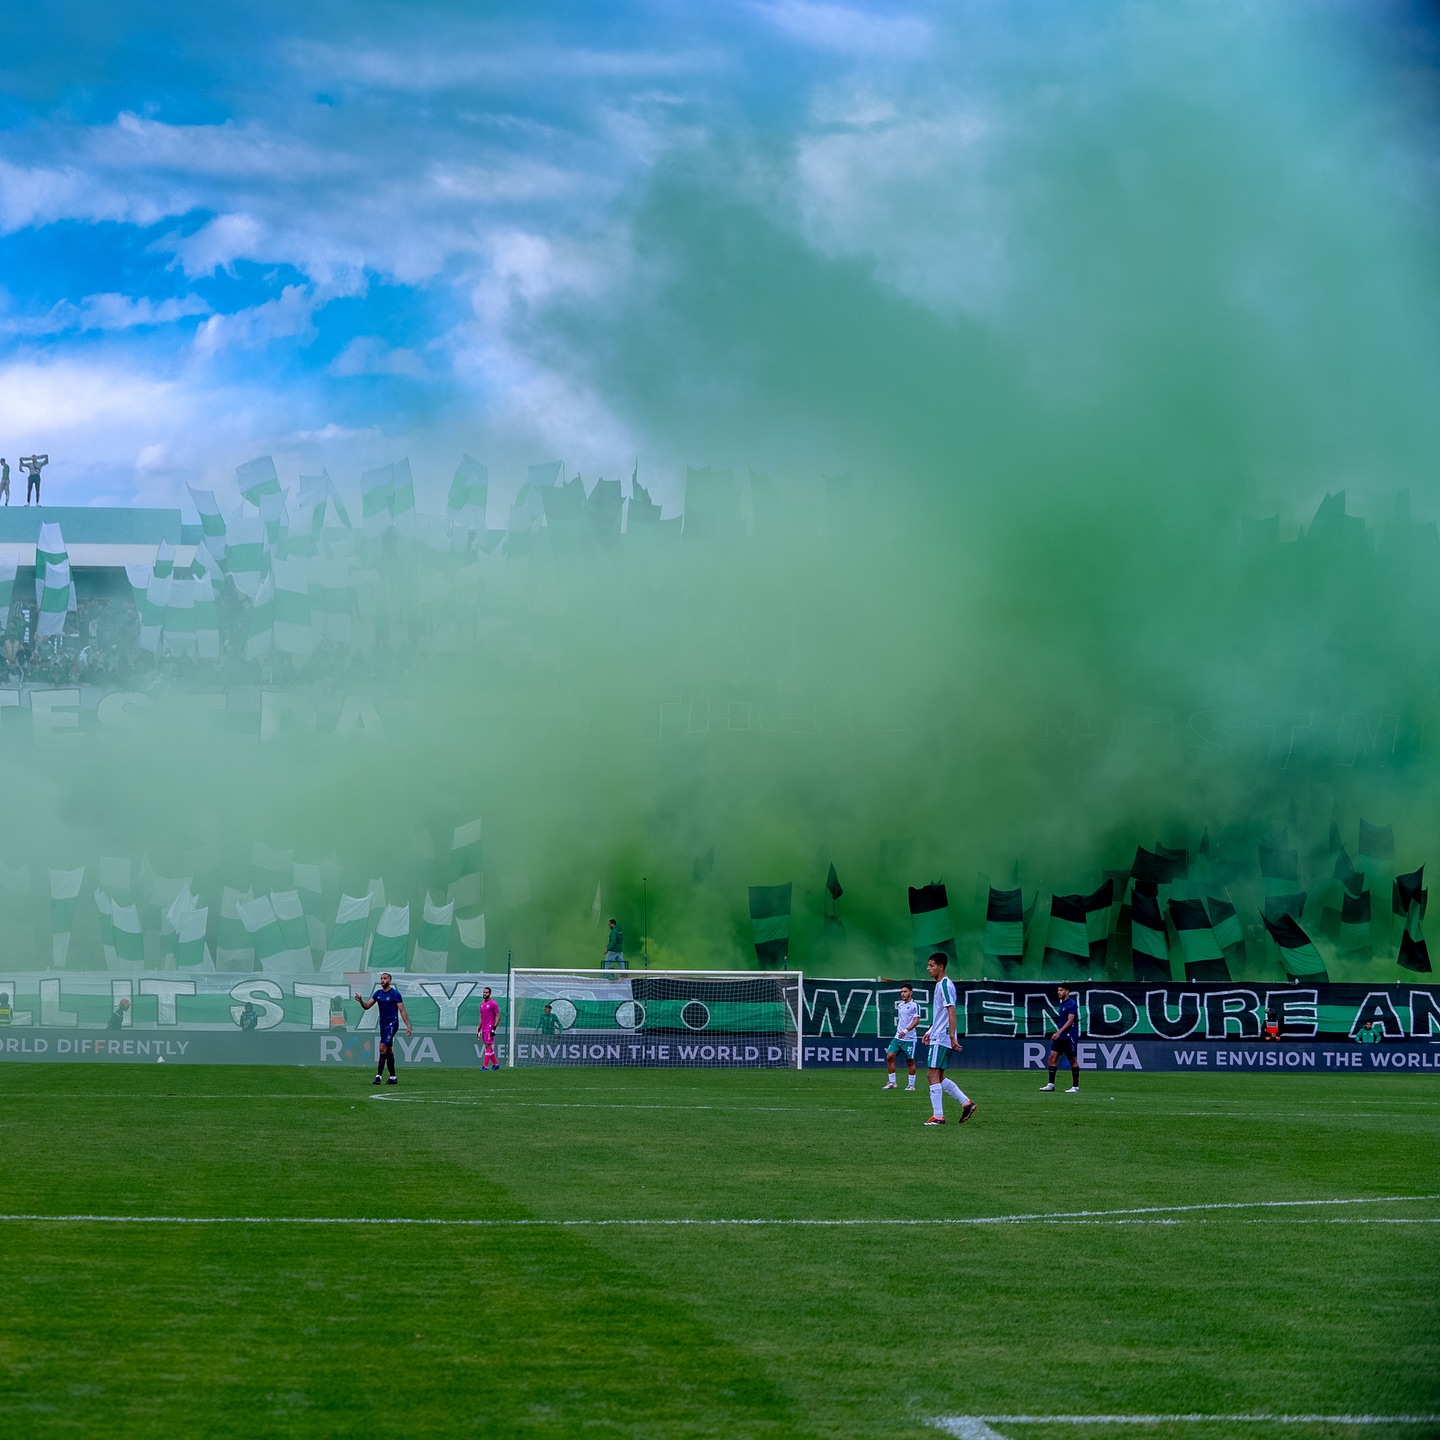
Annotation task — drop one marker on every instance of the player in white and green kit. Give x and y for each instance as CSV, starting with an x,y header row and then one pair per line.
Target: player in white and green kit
x,y
944,1043
907,1017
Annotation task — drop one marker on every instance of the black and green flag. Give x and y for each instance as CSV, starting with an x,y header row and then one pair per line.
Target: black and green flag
x,y
1293,905
1279,870
770,924
1099,912
1297,951
1005,929
1409,901
1067,940
1204,955
1354,938
1148,943
832,883
930,925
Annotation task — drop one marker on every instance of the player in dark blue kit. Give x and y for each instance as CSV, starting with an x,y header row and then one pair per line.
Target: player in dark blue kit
x,y
392,1012
1062,1042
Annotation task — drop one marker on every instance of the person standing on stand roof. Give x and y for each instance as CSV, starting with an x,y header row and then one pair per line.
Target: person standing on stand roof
x,y
392,1012
5,479
32,465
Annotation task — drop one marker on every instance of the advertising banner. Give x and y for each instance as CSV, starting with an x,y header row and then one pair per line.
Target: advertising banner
x,y
312,1019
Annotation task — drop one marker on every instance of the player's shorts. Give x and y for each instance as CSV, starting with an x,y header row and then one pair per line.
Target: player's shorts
x,y
1064,1048
388,1030
942,1057
901,1047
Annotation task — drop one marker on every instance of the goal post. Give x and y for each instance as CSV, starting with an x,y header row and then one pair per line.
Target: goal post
x,y
712,1019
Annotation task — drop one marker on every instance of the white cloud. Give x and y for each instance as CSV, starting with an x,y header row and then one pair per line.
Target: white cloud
x,y
847,29
916,194
369,355
467,64
129,312
218,244
288,316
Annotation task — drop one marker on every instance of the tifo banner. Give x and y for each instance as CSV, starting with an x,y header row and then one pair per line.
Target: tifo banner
x,y
312,1019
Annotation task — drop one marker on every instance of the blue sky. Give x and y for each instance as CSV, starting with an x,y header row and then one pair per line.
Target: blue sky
x,y
342,233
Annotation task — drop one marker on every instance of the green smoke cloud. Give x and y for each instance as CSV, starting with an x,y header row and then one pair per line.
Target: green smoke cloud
x,y
1061,326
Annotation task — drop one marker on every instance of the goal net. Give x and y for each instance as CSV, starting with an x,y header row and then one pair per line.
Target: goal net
x,y
713,1019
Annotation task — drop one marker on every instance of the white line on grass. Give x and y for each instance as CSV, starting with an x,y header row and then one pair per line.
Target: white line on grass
x,y
600,1105
978,1427
1062,1217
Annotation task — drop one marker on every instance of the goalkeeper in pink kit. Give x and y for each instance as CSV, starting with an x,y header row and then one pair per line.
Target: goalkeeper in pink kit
x,y
489,1019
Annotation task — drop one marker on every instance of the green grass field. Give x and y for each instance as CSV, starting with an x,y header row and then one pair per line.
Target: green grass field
x,y
643,1330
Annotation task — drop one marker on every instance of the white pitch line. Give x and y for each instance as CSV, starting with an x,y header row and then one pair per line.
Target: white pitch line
x,y
1096,1216
977,1427
600,1105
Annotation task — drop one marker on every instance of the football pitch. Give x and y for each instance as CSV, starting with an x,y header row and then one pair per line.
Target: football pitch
x,y
557,1253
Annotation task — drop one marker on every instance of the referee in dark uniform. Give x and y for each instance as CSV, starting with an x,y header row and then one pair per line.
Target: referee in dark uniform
x,y
1062,1042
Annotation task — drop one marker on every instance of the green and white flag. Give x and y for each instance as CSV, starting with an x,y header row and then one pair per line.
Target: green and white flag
x,y
52,581
294,634
212,522
262,621
233,947
333,587
432,944
191,951
179,636
294,932
271,869
117,878
129,940
207,619
261,925
106,907
257,478
64,894
337,505
391,945
310,884
246,554
348,935
273,514
469,493
465,889
402,498
157,597
377,486
470,930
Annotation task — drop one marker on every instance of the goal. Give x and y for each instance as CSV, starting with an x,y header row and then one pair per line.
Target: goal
x,y
714,1019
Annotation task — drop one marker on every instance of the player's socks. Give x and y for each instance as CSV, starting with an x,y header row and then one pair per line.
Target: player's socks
x,y
1052,1076
937,1101
953,1090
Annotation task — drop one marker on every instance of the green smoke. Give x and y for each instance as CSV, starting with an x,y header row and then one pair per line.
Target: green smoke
x,y
1020,365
